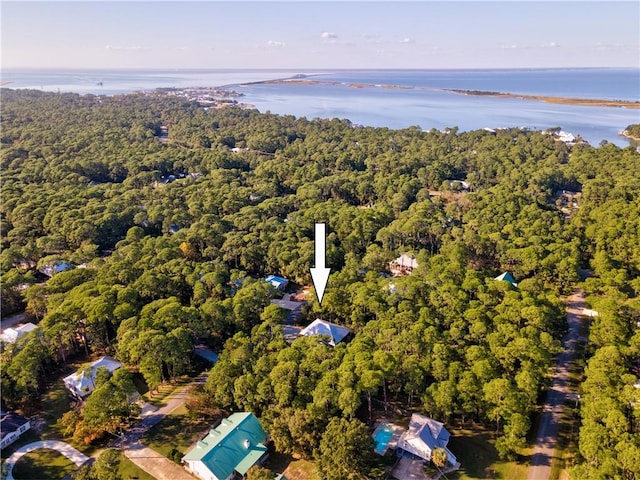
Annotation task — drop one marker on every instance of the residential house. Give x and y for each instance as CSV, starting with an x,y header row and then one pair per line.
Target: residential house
x,y
229,450
423,437
336,333
12,335
56,267
403,265
12,426
83,382
566,137
278,282
507,277
462,185
291,332
292,306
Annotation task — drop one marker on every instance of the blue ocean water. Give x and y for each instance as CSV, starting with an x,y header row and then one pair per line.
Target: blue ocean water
x,y
114,82
597,83
423,103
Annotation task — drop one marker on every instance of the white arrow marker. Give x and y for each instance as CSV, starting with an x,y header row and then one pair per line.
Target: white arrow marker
x,y
320,274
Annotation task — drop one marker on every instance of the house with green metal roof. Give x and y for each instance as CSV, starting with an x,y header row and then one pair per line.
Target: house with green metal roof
x,y
229,450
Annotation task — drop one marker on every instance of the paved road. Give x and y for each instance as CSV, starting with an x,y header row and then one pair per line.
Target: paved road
x,y
546,438
155,464
147,459
409,469
65,449
13,320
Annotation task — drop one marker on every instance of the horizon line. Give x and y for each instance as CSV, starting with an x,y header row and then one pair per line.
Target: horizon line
x,y
277,69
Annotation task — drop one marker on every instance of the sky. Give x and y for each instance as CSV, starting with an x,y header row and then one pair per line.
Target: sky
x,y
319,34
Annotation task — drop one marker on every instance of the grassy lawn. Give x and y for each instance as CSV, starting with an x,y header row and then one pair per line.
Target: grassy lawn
x,y
292,467
164,392
55,403
295,468
475,450
27,437
43,463
176,430
301,470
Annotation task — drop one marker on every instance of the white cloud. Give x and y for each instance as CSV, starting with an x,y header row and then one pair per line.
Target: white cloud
x,y
120,48
329,35
603,47
276,44
431,48
407,40
371,38
515,46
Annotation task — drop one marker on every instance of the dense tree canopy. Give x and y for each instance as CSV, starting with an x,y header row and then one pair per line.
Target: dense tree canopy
x,y
171,241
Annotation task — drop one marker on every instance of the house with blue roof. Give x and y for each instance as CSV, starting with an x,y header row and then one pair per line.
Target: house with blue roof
x,y
507,277
278,282
229,450
56,267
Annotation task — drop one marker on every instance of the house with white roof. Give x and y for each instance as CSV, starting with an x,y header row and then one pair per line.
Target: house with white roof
x,y
278,282
12,335
403,265
460,184
336,333
423,437
12,426
566,137
81,383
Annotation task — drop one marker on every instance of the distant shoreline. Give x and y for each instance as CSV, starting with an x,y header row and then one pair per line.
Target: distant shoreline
x,y
306,81
588,102
626,134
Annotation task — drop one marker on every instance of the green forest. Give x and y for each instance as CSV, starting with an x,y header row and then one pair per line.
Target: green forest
x,y
175,236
